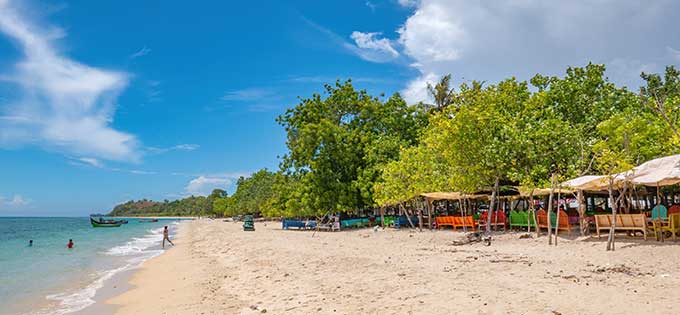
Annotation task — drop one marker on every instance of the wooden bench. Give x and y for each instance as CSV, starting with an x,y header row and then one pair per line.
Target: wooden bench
x,y
624,222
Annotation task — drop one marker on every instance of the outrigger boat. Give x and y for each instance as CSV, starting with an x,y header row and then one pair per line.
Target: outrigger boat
x,y
105,223
147,220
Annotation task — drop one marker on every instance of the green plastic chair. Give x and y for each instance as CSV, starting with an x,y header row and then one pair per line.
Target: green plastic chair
x,y
659,212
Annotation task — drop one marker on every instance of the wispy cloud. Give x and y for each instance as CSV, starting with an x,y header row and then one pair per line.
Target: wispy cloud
x,y
370,47
203,185
16,201
256,99
63,105
331,79
179,147
674,53
91,161
141,53
371,5
248,94
367,46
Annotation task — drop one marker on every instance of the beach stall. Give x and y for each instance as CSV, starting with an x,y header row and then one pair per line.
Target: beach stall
x,y
659,173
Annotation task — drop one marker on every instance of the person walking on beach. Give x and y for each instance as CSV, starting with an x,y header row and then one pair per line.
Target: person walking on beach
x,y
166,237
70,244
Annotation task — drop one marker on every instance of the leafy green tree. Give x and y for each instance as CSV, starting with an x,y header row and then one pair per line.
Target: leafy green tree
x,y
339,144
662,96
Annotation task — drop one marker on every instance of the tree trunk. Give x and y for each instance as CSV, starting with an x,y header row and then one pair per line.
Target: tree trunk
x,y
408,217
429,213
550,204
382,217
532,211
610,239
492,205
583,225
557,215
420,218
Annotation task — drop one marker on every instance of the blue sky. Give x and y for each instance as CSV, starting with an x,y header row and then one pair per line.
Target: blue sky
x,y
106,101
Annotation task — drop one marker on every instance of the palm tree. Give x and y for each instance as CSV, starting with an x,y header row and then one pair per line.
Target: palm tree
x,y
442,93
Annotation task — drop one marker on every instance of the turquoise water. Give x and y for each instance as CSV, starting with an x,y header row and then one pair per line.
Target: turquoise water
x,y
49,278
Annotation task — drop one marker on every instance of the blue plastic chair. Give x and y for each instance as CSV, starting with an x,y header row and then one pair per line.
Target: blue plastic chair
x,y
659,212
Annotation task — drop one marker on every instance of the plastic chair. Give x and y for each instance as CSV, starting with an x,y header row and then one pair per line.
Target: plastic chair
x,y
659,212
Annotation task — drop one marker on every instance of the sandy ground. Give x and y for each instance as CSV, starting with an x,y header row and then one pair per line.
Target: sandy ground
x,y
216,268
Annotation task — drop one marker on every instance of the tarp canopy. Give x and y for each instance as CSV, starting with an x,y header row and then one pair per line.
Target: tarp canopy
x,y
526,192
663,171
588,182
450,196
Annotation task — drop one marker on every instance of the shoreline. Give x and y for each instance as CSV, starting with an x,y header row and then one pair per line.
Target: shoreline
x,y
117,284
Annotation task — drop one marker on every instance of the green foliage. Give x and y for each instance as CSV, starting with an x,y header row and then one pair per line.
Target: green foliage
x,y
339,144
662,96
191,206
251,197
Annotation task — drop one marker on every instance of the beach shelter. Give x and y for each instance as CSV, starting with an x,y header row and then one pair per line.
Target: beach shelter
x,y
588,182
663,171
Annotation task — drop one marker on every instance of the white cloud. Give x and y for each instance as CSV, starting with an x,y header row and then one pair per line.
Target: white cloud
x,y
490,41
416,90
141,53
63,105
203,185
17,201
91,161
371,48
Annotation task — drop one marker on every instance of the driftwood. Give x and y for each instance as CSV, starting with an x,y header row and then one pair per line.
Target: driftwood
x,y
473,237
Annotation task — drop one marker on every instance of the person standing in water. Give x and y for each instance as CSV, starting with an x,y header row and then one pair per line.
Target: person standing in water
x,y
30,243
70,244
166,237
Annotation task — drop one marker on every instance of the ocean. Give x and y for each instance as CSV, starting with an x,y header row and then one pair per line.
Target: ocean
x,y
49,278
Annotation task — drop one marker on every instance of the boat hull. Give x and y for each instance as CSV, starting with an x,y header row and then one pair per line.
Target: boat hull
x,y
96,223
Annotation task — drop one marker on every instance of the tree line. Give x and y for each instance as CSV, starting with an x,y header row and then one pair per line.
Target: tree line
x,y
350,151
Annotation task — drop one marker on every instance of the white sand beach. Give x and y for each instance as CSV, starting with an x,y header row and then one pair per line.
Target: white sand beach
x,y
216,268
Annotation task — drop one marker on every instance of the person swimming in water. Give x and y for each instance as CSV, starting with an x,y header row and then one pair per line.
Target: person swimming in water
x,y
70,244
166,237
